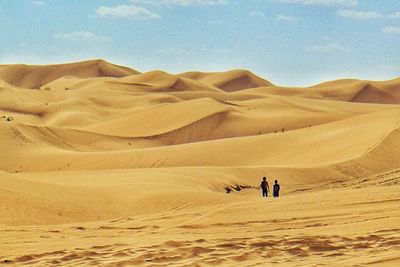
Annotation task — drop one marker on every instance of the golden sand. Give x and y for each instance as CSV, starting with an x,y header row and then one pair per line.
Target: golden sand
x,y
102,165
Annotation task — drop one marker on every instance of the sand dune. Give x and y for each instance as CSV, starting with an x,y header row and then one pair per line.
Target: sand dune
x,y
35,76
229,81
386,92
364,91
107,166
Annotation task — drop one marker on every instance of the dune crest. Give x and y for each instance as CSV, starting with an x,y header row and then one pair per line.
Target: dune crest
x,y
35,76
230,81
382,92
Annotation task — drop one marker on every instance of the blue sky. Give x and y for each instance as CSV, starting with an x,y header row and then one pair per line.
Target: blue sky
x,y
289,42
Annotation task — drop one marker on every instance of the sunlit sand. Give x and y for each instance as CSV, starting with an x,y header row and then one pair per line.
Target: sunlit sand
x,y
103,165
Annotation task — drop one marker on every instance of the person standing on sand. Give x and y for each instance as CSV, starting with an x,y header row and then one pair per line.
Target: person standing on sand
x,y
276,189
264,187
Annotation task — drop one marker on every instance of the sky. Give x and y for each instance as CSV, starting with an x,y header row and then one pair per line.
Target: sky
x,y
288,42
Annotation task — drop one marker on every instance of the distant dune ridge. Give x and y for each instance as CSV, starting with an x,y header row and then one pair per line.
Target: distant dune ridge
x,y
159,168
229,81
35,76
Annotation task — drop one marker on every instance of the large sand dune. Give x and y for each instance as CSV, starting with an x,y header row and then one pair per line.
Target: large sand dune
x,y
31,76
383,92
103,165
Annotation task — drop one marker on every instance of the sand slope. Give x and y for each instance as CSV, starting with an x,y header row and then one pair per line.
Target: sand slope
x,y
107,166
229,81
384,92
34,76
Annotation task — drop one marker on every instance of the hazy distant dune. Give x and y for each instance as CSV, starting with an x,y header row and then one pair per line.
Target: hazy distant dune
x,y
383,92
35,76
229,81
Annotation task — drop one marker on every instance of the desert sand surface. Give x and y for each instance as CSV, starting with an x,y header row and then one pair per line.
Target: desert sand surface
x,y
103,165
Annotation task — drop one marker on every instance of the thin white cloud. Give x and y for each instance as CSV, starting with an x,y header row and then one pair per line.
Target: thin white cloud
x,y
326,48
391,30
343,3
37,3
126,11
389,68
359,15
257,14
170,51
216,22
285,17
181,2
395,15
81,36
